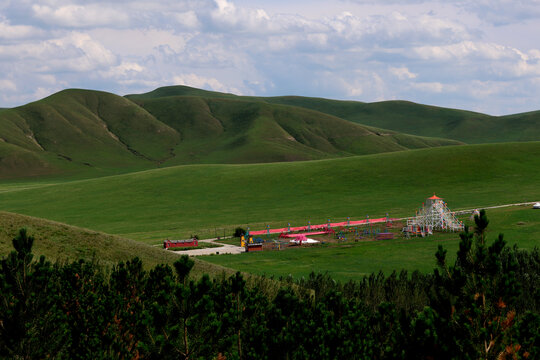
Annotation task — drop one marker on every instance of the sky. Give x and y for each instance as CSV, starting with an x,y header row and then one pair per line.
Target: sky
x,y
479,55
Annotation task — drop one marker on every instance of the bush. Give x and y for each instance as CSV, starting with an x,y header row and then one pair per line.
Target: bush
x,y
483,305
238,232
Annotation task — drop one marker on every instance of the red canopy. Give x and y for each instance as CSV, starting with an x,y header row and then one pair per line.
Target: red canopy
x,y
320,226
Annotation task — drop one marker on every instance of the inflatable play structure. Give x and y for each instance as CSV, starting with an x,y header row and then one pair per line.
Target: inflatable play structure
x,y
433,215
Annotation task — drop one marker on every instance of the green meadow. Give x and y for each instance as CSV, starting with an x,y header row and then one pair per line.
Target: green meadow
x,y
180,201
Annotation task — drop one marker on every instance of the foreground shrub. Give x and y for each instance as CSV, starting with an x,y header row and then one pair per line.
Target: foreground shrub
x,y
483,306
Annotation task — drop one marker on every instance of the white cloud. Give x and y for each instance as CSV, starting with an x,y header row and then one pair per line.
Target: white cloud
x,y
79,16
147,40
47,79
12,32
501,12
73,52
402,73
203,82
433,87
188,19
225,16
467,49
124,70
484,89
88,54
430,51
7,85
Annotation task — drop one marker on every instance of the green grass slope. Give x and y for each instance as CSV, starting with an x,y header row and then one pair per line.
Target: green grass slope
x,y
76,129
424,120
62,242
400,116
203,199
98,133
219,130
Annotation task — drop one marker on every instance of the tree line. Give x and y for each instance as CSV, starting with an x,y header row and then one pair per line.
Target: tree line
x,y
485,305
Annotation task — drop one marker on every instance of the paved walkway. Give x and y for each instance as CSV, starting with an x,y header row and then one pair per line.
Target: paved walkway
x,y
224,249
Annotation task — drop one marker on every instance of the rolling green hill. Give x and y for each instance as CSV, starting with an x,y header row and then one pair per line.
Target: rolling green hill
x,y
218,130
95,133
424,120
401,116
180,90
204,199
81,129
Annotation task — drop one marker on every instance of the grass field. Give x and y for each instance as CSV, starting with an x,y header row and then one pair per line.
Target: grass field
x,y
181,201
520,225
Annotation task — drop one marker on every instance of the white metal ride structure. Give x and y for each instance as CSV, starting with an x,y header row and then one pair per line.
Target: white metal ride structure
x,y
434,215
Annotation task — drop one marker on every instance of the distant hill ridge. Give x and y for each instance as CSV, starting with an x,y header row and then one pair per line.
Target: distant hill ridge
x,y
401,116
78,132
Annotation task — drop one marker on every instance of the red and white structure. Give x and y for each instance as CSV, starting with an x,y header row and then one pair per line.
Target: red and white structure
x,y
434,215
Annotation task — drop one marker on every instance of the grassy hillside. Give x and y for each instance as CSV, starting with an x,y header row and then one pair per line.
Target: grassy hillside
x,y
401,116
216,130
95,133
81,129
57,241
424,120
204,199
84,133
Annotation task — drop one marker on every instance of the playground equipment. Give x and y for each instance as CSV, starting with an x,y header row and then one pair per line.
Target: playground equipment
x,y
243,240
303,239
246,241
434,215
320,227
299,235
326,231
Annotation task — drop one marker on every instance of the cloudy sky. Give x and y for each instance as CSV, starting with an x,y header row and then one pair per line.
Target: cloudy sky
x,y
481,55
